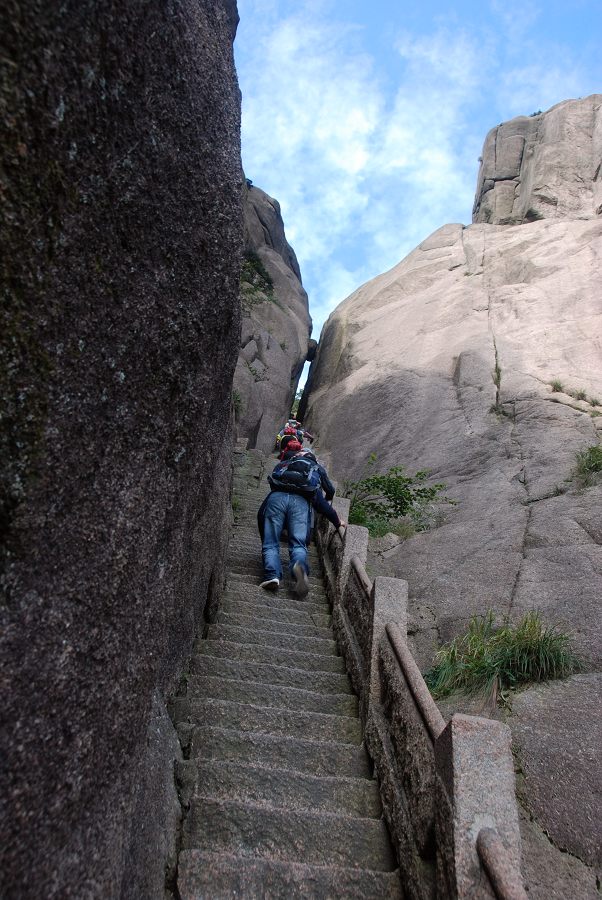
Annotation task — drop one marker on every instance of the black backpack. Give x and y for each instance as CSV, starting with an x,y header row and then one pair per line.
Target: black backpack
x,y
298,475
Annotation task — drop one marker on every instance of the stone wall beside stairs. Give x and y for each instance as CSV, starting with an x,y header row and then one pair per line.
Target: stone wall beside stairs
x,y
447,791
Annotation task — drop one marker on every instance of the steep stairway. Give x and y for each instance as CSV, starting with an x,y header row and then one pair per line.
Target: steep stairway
x,y
277,789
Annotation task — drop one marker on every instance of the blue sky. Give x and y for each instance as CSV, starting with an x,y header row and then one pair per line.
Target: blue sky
x,y
365,118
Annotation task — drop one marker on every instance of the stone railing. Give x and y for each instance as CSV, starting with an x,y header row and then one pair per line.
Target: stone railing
x,y
447,789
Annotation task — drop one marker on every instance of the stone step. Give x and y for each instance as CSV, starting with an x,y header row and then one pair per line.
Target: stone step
x,y
280,752
267,623
271,695
285,589
283,789
239,592
259,831
247,717
255,573
277,608
249,551
261,673
257,635
224,876
274,656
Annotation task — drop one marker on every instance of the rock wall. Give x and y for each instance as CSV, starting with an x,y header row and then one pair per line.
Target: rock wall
x,y
121,224
458,348
276,324
543,166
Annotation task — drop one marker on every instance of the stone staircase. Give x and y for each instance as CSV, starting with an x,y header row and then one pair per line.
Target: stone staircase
x,y
277,790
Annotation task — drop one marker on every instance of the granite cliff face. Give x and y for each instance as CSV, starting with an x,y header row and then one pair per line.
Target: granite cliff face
x,y
543,166
121,224
457,347
276,324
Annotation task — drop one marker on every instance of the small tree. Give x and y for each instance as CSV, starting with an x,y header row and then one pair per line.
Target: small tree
x,y
379,501
296,402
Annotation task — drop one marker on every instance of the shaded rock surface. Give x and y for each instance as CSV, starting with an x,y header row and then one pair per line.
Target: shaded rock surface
x,y
276,324
457,347
121,225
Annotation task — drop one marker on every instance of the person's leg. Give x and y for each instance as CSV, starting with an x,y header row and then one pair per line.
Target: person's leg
x,y
297,520
261,517
275,510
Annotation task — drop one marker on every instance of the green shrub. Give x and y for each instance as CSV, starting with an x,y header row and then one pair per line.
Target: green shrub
x,y
492,659
580,395
589,464
256,284
393,500
594,401
296,402
557,386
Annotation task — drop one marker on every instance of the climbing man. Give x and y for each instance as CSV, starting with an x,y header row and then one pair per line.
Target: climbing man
x,y
295,486
293,428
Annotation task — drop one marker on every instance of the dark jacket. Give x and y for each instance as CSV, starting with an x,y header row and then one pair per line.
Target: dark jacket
x,y
318,501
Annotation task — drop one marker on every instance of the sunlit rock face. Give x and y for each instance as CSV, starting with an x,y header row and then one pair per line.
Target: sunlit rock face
x,y
276,324
543,166
121,192
446,362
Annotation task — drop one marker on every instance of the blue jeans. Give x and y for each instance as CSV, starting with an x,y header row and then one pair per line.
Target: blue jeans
x,y
280,509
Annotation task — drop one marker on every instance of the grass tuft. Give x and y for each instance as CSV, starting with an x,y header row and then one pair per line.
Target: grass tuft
x,y
557,386
492,660
589,464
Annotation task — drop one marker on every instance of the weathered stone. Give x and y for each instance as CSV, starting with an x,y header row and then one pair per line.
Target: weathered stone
x,y
284,788
550,875
268,833
558,735
276,326
299,754
121,215
222,877
389,602
543,166
465,805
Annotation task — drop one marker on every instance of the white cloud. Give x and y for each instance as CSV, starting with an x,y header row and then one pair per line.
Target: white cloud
x,y
367,161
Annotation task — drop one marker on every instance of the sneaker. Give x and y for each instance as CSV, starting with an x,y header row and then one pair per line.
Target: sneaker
x,y
270,585
301,587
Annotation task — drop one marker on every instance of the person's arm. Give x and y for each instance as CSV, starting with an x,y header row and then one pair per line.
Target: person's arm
x,y
326,483
324,508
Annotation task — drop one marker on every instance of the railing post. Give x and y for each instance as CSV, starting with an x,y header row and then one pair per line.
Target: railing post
x,y
475,790
355,543
390,604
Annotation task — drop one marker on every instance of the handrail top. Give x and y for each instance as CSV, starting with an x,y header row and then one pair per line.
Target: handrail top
x,y
362,575
428,709
506,879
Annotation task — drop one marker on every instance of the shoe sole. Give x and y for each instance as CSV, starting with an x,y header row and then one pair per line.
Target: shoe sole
x,y
270,585
301,587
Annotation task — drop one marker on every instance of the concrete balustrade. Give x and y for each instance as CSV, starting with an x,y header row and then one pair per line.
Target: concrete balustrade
x,y
447,789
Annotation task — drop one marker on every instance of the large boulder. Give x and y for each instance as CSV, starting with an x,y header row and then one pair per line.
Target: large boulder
x,y
276,324
480,353
121,201
543,166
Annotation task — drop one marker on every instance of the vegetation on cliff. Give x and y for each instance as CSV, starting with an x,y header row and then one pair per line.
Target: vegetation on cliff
x,y
393,501
494,659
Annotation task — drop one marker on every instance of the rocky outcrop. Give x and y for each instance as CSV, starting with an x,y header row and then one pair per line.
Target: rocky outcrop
x,y
481,353
121,186
275,328
543,166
